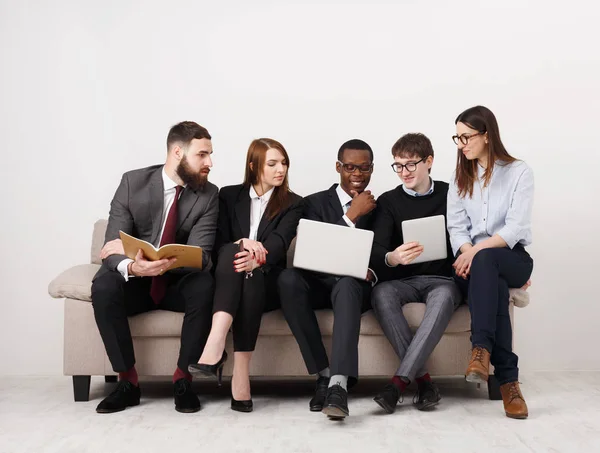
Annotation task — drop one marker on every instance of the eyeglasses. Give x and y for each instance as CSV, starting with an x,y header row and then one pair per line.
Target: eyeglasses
x,y
351,168
411,166
464,138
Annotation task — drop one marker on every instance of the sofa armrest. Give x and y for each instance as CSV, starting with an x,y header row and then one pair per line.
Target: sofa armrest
x,y
519,297
74,283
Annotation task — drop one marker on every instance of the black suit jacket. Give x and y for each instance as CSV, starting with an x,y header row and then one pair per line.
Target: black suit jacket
x,y
137,209
276,234
325,207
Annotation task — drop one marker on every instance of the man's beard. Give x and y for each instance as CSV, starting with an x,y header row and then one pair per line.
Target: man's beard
x,y
189,177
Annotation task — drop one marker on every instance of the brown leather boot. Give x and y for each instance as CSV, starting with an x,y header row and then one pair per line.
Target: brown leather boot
x,y
478,370
514,403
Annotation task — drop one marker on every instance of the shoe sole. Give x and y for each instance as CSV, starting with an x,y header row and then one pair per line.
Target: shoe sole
x,y
428,405
335,412
476,378
382,404
110,411
517,416
187,411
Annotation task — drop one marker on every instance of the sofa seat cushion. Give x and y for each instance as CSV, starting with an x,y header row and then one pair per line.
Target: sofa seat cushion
x,y
162,323
74,283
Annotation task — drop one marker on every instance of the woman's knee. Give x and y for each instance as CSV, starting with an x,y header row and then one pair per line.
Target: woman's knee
x,y
484,259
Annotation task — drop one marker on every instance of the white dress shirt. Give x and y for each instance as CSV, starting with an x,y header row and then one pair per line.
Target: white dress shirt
x,y
345,200
258,205
502,208
169,196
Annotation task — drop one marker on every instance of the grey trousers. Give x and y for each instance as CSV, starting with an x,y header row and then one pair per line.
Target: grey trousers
x,y
441,297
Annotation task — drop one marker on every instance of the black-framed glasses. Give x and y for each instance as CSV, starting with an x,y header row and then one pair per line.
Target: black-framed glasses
x,y
351,168
411,166
464,138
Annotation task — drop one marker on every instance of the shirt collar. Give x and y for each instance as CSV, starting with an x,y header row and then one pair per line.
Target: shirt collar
x,y
168,183
415,194
265,197
342,195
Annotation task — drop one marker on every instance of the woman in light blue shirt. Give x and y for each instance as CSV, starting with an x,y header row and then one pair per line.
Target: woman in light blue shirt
x,y
489,221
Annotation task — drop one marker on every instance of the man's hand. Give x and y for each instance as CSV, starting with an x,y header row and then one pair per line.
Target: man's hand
x,y
405,254
141,267
256,249
114,247
244,262
462,265
361,205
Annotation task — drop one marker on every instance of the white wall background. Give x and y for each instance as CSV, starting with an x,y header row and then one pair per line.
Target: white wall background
x,y
89,90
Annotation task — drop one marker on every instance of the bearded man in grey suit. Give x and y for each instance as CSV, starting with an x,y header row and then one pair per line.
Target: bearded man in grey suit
x,y
162,204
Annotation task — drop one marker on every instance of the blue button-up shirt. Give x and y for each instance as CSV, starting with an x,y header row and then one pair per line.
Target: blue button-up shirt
x,y
502,208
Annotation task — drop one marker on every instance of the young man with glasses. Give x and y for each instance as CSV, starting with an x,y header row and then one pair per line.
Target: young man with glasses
x,y
402,282
347,204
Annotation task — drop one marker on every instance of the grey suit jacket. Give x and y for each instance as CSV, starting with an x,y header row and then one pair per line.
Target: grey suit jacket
x,y
137,209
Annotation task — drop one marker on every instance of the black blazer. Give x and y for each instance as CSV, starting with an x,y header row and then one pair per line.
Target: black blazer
x,y
325,207
276,235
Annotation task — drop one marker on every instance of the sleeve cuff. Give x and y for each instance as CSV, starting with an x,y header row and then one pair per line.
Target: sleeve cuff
x,y
458,242
122,268
508,236
348,221
374,276
386,260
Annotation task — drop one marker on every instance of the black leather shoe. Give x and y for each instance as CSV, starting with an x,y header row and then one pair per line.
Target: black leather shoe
x,y
186,401
317,401
216,370
388,398
241,406
336,403
126,394
428,396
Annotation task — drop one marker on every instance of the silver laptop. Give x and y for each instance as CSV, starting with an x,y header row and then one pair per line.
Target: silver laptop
x,y
430,232
333,249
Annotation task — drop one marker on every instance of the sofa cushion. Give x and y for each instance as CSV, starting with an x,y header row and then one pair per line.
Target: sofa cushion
x,y
98,240
74,283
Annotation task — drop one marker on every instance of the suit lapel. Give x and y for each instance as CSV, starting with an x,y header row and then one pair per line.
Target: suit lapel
x,y
157,200
186,202
335,203
242,212
262,226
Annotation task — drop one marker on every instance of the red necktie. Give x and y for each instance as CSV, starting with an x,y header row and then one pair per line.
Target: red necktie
x,y
159,283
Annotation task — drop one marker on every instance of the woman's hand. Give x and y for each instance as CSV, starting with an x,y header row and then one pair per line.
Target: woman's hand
x,y
244,262
256,249
462,265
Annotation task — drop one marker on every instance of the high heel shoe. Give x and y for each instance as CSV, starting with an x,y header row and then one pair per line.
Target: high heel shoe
x,y
216,370
241,406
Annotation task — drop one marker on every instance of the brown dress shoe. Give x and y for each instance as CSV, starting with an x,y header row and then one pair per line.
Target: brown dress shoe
x,y
478,370
514,403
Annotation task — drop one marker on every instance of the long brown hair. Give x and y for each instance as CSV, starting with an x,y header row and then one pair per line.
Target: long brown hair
x,y
482,120
257,154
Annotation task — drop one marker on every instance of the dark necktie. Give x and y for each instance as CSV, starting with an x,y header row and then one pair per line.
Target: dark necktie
x,y
159,283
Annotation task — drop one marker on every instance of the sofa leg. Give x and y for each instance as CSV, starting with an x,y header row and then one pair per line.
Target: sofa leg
x,y
110,378
81,388
494,388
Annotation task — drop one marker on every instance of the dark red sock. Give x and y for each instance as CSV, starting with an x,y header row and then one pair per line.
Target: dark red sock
x,y
399,383
180,374
129,375
424,378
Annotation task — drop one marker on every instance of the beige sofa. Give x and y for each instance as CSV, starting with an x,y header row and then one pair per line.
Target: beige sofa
x,y
156,336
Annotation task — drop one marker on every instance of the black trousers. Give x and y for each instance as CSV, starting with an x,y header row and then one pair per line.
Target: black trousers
x,y
114,300
302,292
493,271
246,299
